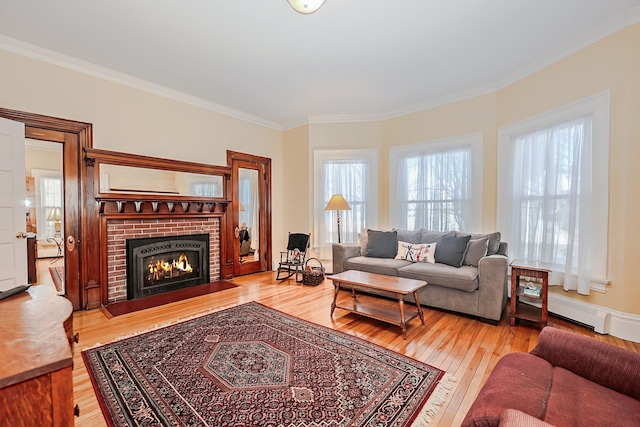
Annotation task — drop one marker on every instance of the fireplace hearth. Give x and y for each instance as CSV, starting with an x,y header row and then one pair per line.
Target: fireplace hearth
x,y
162,264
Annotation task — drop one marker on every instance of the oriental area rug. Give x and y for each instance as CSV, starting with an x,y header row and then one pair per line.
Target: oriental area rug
x,y
250,365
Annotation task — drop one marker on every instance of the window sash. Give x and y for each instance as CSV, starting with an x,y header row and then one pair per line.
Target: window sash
x,y
438,183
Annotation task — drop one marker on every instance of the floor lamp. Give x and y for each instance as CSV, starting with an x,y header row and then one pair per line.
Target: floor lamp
x,y
337,203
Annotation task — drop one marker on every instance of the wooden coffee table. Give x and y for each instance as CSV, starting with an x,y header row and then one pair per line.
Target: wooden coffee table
x,y
397,286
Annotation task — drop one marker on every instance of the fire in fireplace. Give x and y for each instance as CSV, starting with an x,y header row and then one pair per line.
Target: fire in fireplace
x,y
162,264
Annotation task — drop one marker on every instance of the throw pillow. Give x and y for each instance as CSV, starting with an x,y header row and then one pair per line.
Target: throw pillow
x,y
428,253
476,249
363,239
494,240
451,250
382,244
295,256
408,251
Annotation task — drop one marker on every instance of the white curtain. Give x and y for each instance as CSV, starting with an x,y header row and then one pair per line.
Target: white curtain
x,y
48,197
434,190
351,178
552,200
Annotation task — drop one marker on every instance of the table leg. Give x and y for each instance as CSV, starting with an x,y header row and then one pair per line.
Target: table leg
x,y
336,289
403,324
415,296
515,278
545,298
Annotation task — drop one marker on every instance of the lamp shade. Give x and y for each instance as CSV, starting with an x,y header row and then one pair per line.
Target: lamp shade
x,y
306,6
337,203
55,214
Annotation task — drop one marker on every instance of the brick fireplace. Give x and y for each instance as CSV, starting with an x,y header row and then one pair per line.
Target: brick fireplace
x,y
119,230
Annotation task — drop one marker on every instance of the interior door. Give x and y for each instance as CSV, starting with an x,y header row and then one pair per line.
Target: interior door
x,y
13,243
82,278
251,214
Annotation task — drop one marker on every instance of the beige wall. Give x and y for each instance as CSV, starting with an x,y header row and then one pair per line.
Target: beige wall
x,y
612,64
295,173
134,121
131,120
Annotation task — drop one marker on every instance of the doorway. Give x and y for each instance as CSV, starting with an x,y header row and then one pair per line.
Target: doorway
x,y
251,216
74,137
45,213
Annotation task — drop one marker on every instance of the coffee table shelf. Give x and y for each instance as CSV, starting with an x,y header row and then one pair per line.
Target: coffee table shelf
x,y
370,306
386,314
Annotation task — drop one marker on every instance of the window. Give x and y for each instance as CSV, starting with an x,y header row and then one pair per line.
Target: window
x,y
48,197
553,191
352,173
438,184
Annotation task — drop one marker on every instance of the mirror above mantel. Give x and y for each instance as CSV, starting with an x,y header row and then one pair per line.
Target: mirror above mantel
x,y
122,178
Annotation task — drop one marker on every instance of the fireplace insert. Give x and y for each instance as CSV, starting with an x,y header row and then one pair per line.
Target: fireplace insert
x,y
161,264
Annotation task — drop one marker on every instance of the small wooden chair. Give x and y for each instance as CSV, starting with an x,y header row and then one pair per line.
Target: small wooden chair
x,y
292,260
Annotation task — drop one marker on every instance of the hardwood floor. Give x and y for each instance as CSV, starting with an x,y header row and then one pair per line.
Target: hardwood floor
x,y
463,347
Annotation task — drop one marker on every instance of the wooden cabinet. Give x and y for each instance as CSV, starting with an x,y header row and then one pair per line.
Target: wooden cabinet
x,y
36,359
521,310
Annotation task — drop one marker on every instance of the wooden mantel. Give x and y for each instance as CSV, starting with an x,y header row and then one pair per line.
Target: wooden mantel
x,y
126,204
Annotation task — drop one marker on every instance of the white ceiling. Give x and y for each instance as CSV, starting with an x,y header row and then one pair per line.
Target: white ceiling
x,y
351,60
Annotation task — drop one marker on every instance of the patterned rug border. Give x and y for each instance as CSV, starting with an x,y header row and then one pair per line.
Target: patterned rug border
x,y
440,393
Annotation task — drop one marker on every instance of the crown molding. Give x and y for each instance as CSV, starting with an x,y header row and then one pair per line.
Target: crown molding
x,y
64,61
623,20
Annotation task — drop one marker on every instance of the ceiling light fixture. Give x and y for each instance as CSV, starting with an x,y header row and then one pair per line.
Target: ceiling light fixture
x,y
306,6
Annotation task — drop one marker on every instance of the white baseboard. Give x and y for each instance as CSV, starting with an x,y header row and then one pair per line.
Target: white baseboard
x,y
603,320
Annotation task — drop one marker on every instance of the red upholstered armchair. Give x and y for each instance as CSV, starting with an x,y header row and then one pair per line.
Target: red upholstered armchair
x,y
566,380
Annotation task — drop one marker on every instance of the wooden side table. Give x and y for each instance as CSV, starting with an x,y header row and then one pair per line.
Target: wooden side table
x,y
520,310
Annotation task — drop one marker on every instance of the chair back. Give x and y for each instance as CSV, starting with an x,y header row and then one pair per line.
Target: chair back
x,y
299,241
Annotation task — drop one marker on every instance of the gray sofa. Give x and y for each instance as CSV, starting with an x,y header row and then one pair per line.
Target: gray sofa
x,y
477,287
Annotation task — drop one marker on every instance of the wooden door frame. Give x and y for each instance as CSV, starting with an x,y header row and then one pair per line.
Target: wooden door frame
x,y
75,136
263,165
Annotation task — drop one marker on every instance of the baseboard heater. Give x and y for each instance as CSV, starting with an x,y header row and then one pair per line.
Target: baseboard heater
x,y
580,312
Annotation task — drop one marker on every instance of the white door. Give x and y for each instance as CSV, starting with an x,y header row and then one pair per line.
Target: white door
x,y
13,225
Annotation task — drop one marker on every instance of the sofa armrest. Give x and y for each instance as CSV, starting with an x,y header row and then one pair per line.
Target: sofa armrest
x,y
341,252
605,364
492,286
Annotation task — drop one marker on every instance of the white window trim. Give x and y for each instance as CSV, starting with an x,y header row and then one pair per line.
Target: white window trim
x,y
473,140
600,107
322,155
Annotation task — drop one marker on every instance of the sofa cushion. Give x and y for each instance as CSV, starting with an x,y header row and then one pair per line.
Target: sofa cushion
x,y
382,244
494,240
384,266
409,236
430,236
476,249
574,400
463,278
518,381
451,250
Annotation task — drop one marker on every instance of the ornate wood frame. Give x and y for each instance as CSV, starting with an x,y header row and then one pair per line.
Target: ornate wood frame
x,y
75,136
124,205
